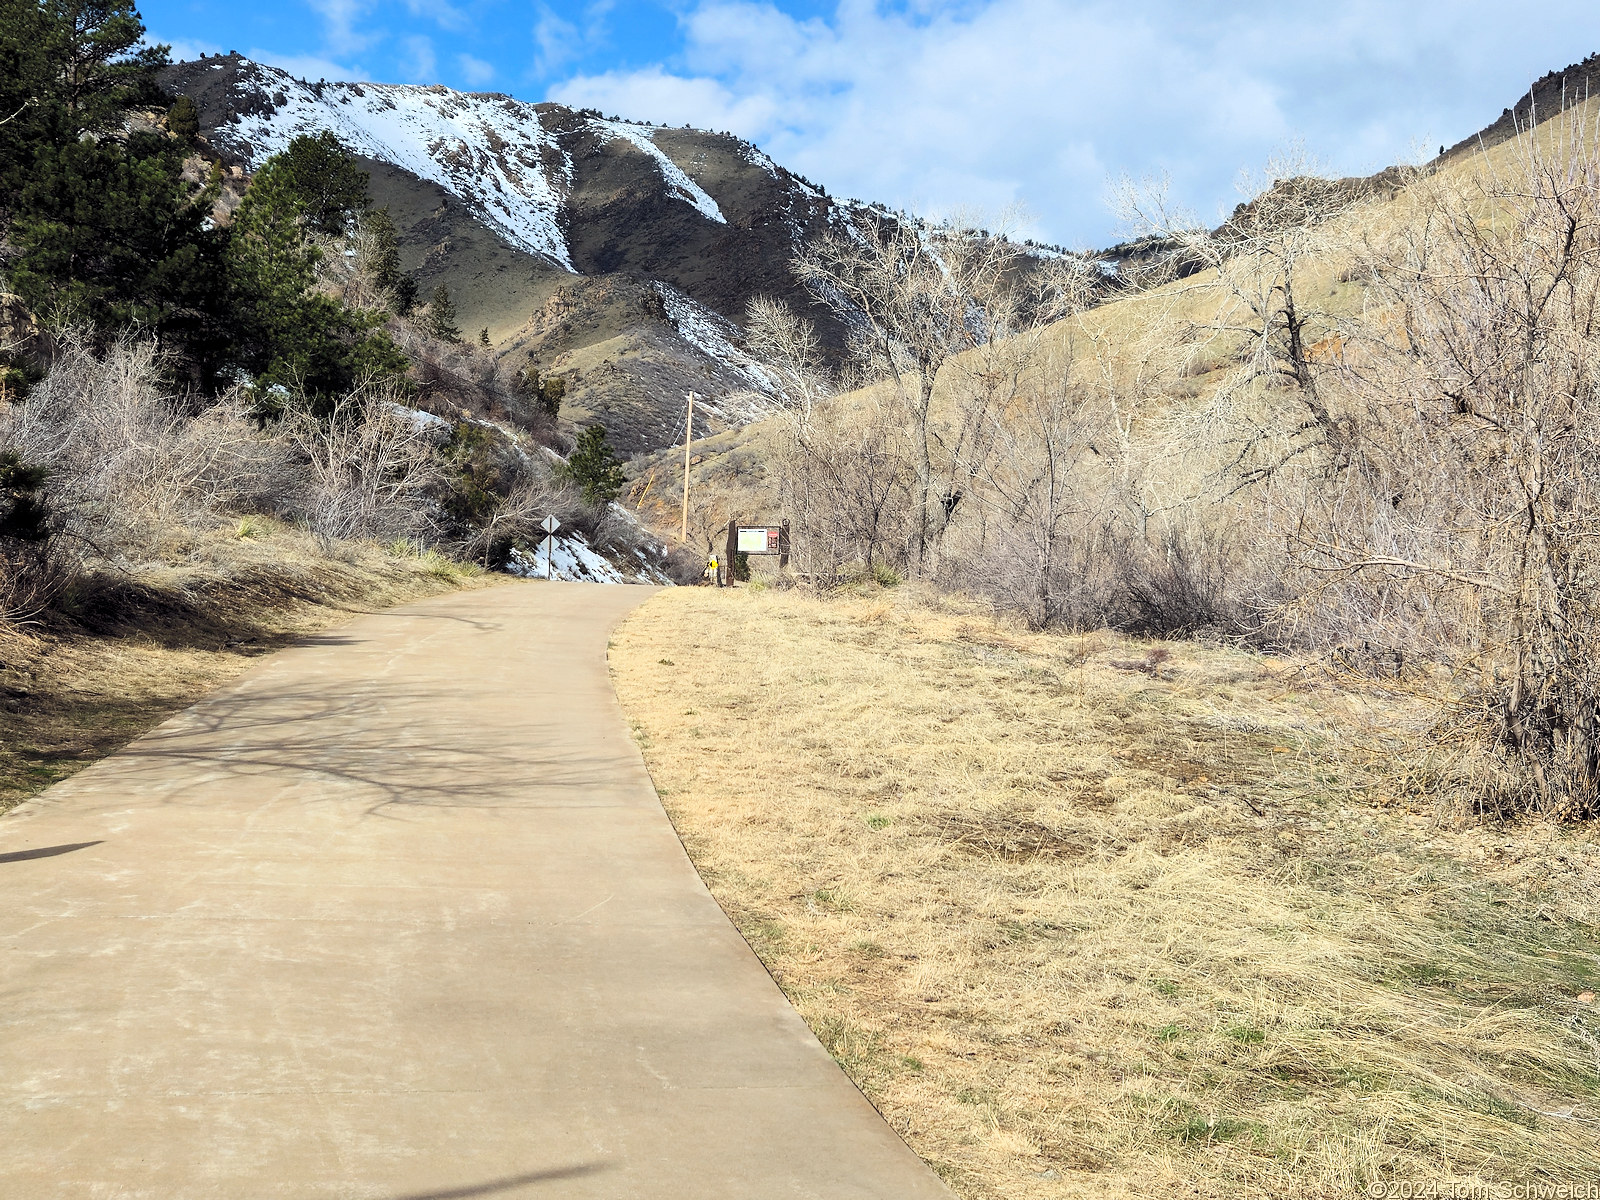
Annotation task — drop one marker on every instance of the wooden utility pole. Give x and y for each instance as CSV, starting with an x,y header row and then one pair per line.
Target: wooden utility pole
x,y
688,436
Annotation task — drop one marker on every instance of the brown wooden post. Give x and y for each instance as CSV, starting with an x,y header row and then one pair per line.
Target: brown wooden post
x,y
733,548
783,545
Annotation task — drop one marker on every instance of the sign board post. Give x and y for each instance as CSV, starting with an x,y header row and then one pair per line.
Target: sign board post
x,y
549,525
757,539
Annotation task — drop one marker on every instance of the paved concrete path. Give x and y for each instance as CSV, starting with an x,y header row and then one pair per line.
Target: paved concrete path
x,y
399,915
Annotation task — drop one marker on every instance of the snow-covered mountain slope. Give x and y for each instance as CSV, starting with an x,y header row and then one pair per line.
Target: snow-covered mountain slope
x,y
489,151
533,173
618,256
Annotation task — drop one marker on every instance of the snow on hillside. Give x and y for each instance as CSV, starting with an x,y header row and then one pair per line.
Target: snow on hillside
x,y
573,559
685,188
489,151
717,337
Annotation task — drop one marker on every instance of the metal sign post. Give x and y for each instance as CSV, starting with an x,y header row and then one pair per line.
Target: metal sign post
x,y
549,525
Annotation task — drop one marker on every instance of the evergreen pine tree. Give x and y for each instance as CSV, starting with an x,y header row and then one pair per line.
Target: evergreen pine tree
x,y
442,316
107,231
22,507
284,331
326,181
385,262
101,224
551,393
183,120
594,467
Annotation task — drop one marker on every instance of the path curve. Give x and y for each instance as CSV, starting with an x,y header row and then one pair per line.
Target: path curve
x,y
398,916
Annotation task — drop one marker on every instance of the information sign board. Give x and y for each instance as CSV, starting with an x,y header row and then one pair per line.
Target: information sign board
x,y
759,539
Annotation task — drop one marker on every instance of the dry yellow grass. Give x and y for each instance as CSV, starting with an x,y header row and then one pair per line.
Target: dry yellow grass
x,y
1082,921
131,650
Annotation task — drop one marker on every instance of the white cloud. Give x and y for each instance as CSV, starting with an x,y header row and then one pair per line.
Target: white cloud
x,y
419,63
339,18
654,95
556,41
441,13
474,70
952,102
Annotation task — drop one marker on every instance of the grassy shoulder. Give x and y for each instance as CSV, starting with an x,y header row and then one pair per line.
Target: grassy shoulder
x,y
126,651
1083,916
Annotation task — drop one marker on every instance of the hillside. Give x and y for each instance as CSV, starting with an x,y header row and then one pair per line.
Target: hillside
x,y
1172,347
612,254
1546,97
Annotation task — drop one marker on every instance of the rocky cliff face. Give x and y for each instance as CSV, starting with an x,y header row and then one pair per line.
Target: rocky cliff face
x,y
616,255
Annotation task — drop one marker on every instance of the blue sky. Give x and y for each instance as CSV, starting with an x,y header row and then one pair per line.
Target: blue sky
x,y
958,104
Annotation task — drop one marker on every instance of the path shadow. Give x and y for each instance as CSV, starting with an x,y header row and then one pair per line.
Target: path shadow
x,y
45,852
497,1186
394,748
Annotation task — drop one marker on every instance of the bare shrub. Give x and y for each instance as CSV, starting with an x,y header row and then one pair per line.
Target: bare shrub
x,y
32,572
451,378
846,477
512,516
371,466
1044,547
129,465
1477,501
1189,579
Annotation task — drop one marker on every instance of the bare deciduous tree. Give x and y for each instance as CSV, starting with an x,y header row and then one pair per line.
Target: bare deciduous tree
x,y
1252,274
1478,366
916,294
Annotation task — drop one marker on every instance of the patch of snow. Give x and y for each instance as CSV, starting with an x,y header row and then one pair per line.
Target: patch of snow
x,y
714,336
756,158
490,152
419,420
641,136
572,558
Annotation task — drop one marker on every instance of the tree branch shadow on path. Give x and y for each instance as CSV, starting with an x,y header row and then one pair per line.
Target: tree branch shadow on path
x,y
509,1183
390,765
46,851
